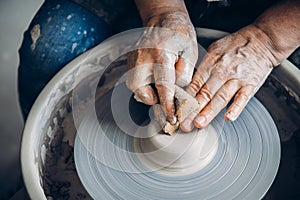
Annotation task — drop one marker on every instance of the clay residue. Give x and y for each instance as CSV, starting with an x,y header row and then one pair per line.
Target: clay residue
x,y
60,179
170,128
185,105
35,35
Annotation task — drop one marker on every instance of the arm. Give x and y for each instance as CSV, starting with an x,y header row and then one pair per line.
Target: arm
x,y
281,24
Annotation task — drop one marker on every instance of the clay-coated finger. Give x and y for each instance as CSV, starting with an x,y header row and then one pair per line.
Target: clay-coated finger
x,y
240,101
218,102
139,76
200,77
187,125
146,95
209,90
164,76
184,72
166,99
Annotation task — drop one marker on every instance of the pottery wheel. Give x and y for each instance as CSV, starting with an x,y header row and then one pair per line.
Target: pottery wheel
x,y
121,154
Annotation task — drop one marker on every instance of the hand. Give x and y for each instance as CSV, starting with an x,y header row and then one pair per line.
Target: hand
x,y
170,58
234,67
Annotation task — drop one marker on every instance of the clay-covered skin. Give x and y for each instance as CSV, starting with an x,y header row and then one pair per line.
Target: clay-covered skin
x,y
236,70
166,67
236,66
185,104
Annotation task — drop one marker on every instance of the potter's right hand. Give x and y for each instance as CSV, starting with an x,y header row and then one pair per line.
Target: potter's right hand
x,y
170,58
234,68
237,65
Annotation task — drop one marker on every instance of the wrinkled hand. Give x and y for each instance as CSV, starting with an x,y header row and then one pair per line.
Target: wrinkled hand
x,y
234,67
170,59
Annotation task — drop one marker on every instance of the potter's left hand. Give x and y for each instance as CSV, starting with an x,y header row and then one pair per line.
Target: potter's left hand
x,y
166,52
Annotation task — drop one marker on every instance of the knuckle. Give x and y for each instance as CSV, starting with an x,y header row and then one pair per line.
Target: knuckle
x,y
140,56
197,82
206,94
155,52
164,75
242,98
165,59
183,80
222,97
193,88
214,46
130,85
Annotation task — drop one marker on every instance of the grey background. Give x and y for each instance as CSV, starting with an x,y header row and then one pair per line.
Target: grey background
x,y
15,16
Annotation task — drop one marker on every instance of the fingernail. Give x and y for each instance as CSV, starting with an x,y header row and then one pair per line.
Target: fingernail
x,y
187,125
172,120
200,120
230,115
144,98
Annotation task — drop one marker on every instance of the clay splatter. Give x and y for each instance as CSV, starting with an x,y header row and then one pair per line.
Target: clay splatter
x,y
69,16
74,45
35,34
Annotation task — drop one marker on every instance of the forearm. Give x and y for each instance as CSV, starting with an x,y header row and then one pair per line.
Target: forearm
x,y
281,24
152,8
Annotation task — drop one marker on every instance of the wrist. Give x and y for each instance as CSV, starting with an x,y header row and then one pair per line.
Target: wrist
x,y
155,9
281,24
266,47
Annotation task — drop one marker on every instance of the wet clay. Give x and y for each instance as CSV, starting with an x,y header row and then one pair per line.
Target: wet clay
x,y
185,105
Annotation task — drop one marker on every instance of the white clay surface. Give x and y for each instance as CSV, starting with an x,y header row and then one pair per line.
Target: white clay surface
x,y
179,154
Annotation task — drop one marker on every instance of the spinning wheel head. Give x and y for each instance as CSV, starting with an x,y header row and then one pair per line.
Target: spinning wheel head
x,y
226,160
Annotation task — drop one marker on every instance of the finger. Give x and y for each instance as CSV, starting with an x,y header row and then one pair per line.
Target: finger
x,y
187,125
201,75
139,76
218,102
164,76
146,95
240,101
166,99
137,80
184,72
209,90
